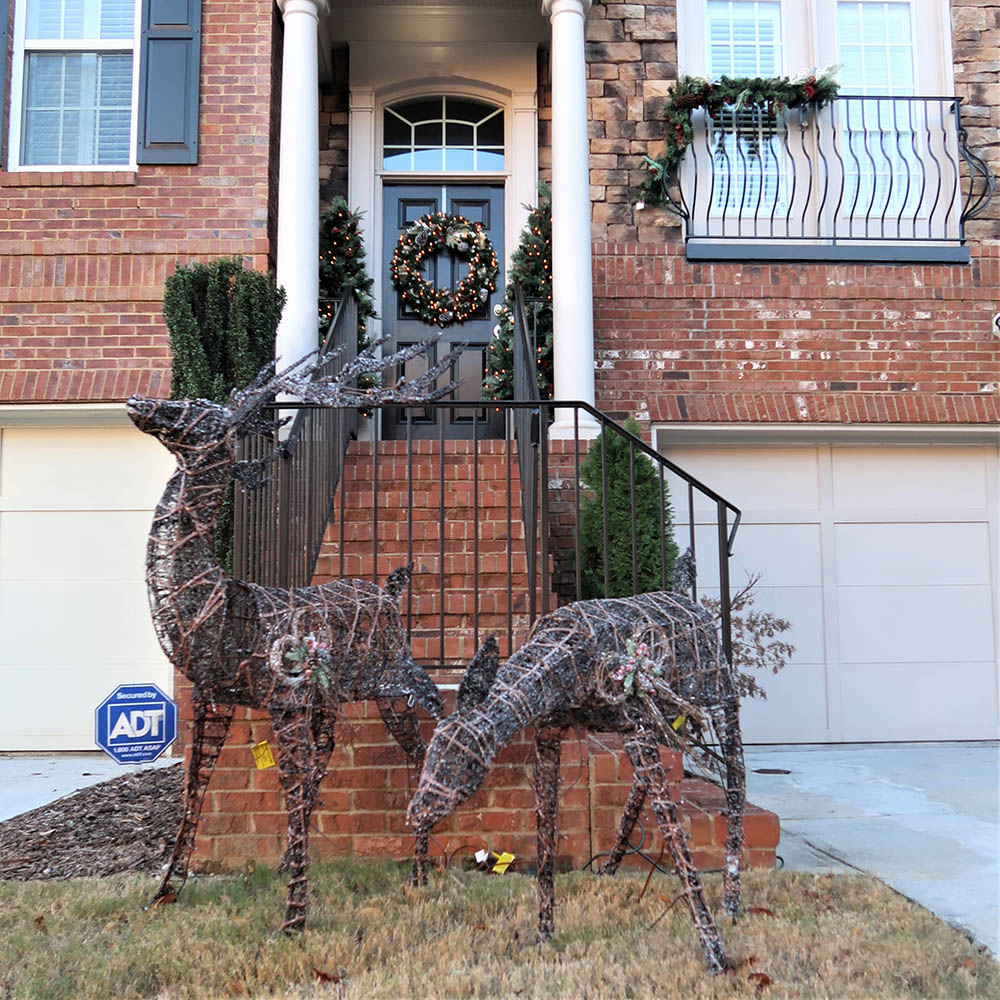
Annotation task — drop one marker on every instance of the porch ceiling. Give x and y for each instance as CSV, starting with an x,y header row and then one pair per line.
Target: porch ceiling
x,y
435,21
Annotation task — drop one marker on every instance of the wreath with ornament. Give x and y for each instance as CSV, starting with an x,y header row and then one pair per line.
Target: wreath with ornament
x,y
771,97
426,237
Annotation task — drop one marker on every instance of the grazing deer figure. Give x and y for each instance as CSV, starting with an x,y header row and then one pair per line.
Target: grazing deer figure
x,y
644,666
297,654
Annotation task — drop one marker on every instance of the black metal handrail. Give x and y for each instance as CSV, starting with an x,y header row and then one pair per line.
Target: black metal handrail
x,y
279,528
554,470
866,176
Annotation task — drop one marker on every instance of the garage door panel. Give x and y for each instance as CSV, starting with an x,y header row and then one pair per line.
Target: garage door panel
x,y
909,478
802,608
915,624
795,707
93,624
931,700
74,545
784,555
52,707
942,553
773,479
81,469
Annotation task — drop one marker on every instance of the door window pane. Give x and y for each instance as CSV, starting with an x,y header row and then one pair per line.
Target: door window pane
x,y
443,133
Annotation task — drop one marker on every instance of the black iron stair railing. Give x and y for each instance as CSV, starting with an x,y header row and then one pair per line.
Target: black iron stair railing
x,y
281,528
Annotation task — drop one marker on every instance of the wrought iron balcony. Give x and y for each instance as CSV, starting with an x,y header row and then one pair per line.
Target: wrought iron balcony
x,y
864,178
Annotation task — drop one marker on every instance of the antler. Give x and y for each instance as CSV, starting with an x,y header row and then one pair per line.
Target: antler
x,y
300,381
340,389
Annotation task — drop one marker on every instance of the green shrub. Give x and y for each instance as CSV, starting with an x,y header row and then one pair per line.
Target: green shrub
x,y
618,501
222,321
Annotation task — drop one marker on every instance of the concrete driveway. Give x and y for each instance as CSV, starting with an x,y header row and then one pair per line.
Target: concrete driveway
x,y
922,817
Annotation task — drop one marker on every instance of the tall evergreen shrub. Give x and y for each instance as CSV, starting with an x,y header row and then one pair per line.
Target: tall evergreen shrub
x,y
531,268
222,321
618,502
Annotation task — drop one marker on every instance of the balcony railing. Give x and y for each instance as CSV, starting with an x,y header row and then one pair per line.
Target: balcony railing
x,y
864,178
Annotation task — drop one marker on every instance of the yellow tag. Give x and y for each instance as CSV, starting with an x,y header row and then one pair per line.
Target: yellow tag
x,y
262,755
503,860
677,723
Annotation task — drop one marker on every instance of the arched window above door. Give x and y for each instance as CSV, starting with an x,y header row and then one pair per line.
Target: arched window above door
x,y
443,133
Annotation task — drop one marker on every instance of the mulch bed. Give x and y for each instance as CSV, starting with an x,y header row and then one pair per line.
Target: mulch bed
x,y
127,824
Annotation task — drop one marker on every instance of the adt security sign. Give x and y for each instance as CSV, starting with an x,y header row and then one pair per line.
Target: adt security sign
x,y
135,723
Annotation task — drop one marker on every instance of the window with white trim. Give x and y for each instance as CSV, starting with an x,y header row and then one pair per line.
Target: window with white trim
x,y
73,83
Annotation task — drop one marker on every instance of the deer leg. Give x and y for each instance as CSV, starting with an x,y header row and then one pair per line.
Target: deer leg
x,y
405,729
636,799
211,726
323,744
547,746
736,794
296,756
644,753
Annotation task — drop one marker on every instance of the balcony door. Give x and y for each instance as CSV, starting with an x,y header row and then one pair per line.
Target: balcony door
x,y
403,204
879,164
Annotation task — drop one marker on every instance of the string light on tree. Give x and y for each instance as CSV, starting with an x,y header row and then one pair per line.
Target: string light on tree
x,y
531,269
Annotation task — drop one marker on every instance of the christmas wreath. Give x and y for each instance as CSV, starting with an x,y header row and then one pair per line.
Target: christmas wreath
x,y
770,96
426,237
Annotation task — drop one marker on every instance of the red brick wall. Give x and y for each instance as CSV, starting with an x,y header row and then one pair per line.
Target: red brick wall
x,y
83,256
679,341
845,343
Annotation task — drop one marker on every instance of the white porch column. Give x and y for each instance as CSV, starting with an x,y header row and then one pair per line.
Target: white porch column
x,y
298,180
572,278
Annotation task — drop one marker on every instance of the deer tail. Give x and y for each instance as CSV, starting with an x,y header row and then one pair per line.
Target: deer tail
x,y
398,580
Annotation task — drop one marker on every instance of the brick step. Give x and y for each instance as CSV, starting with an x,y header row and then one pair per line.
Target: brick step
x,y
362,803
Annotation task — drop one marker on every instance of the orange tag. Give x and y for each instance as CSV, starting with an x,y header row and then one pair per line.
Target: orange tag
x,y
262,755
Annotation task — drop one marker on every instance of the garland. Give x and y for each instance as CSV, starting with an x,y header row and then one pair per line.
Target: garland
x,y
772,97
428,235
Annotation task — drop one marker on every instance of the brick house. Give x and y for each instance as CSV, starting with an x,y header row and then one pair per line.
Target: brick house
x,y
808,326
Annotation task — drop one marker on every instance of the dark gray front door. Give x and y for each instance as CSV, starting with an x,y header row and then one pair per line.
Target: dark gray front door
x,y
404,204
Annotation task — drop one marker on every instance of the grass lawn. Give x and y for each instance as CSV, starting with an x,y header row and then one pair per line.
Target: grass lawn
x,y
471,935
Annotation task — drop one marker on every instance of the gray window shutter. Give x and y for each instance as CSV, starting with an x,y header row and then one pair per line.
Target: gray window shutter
x,y
170,61
4,38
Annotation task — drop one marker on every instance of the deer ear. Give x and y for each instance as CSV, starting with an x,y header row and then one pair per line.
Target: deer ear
x,y
479,675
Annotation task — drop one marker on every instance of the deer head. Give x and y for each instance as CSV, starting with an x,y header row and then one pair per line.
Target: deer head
x,y
454,766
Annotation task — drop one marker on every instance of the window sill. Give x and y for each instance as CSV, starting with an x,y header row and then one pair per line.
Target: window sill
x,y
68,178
898,253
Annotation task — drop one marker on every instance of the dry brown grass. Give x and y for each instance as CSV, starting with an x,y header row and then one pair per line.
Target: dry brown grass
x,y
470,935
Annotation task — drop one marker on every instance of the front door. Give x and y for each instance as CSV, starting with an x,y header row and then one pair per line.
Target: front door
x,y
403,205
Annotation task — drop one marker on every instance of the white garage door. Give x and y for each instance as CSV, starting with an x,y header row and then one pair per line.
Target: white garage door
x,y
885,560
75,509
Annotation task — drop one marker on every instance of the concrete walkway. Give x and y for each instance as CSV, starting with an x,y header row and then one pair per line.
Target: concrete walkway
x,y
28,781
922,817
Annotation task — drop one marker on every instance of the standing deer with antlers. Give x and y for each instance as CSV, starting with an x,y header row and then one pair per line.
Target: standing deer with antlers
x,y
297,654
644,666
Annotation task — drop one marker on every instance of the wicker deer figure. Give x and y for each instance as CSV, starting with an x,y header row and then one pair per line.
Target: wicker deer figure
x,y
298,654
644,666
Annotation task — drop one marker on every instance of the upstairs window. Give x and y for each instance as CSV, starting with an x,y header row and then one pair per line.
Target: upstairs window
x,y
434,134
73,83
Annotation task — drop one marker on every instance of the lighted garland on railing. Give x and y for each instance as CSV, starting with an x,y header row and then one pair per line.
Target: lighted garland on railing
x,y
426,237
771,95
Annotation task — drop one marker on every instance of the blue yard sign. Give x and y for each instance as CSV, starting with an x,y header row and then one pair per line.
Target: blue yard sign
x,y
135,723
